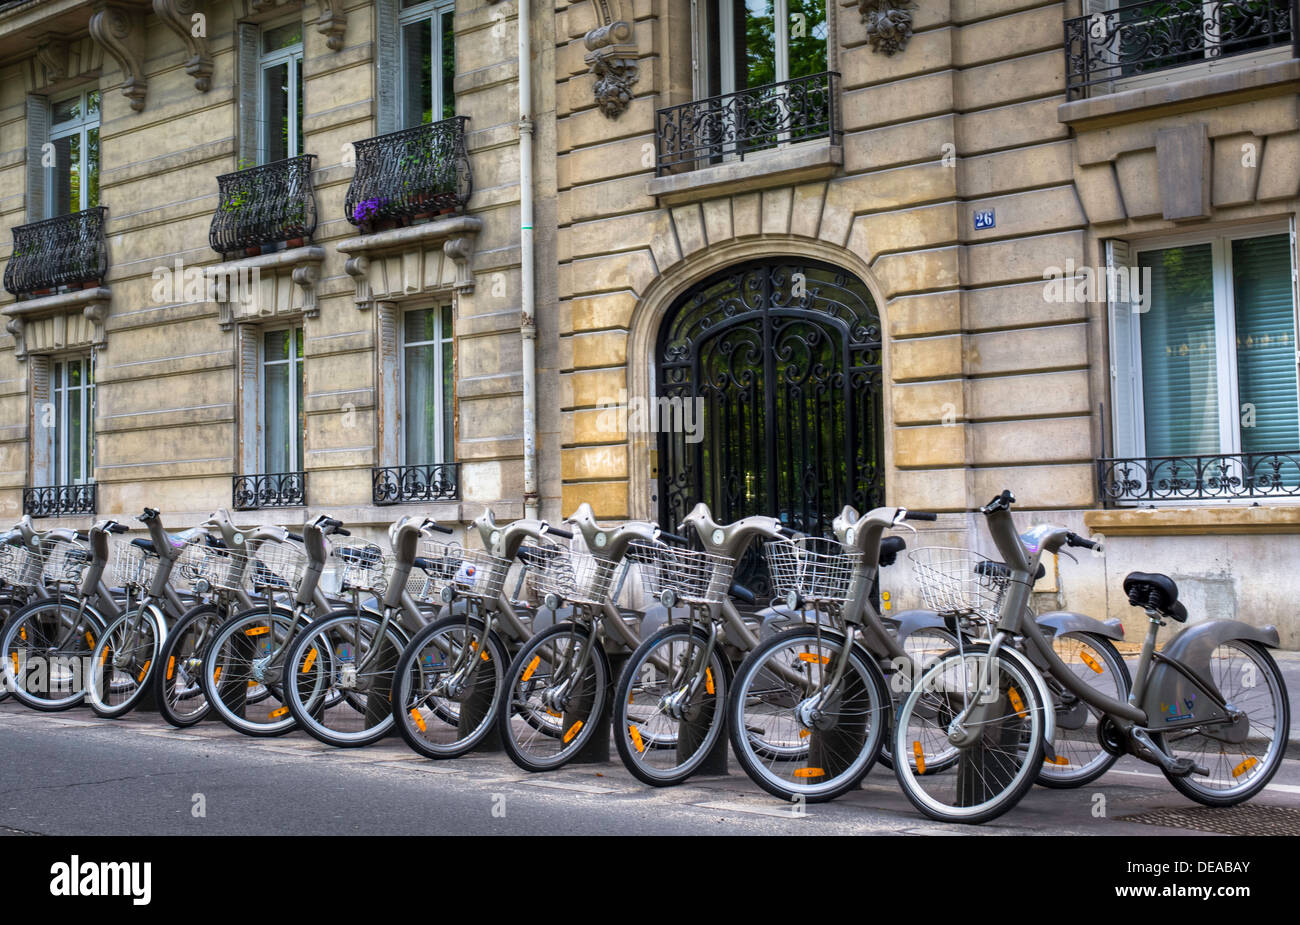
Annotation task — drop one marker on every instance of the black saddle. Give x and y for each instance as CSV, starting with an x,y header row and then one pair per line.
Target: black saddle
x,y
890,547
1159,592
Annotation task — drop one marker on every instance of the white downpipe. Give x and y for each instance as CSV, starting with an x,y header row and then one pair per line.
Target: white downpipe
x,y
528,304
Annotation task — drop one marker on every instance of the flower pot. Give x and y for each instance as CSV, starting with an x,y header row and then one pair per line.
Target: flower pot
x,y
90,284
387,224
446,210
425,215
294,242
41,292
252,250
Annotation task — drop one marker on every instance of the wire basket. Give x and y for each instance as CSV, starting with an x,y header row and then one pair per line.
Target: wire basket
x,y
577,579
220,569
688,575
21,566
476,574
959,581
65,562
360,566
276,567
818,569
133,567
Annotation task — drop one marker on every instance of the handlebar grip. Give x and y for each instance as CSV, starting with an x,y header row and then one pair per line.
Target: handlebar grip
x,y
1073,539
148,515
295,537
339,531
563,534
1001,503
740,591
330,522
790,533
673,538
438,527
83,535
920,515
116,527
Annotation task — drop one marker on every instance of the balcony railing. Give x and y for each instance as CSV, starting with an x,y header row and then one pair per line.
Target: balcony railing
x,y
701,132
403,484
58,500
65,251
1199,478
275,489
1139,38
264,206
421,171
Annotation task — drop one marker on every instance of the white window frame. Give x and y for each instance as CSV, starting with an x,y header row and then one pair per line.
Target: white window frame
x,y
79,127
56,465
725,46
433,11
297,335
1220,240
440,340
266,60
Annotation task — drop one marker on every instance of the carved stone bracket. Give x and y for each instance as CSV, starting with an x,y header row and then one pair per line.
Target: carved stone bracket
x,y
178,15
271,286
52,53
59,322
119,30
889,24
412,261
612,58
332,23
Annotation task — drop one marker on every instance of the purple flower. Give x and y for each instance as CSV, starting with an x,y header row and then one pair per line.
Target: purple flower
x,y
367,209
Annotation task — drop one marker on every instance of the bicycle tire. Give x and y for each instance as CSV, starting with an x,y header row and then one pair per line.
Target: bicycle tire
x,y
221,686
1067,771
114,692
181,677
13,645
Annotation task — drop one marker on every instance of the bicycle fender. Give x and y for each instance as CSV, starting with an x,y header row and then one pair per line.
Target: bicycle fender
x,y
1067,621
778,619
910,621
656,616
1171,695
545,617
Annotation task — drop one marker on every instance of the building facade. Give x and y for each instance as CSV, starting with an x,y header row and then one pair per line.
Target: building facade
x,y
780,256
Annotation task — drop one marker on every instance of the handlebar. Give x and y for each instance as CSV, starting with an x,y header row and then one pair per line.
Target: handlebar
x,y
673,538
1002,502
563,534
1073,539
430,524
148,515
297,538
920,515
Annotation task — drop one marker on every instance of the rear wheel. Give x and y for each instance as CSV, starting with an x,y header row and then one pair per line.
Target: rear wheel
x,y
1241,757
247,655
1080,758
123,661
179,685
46,648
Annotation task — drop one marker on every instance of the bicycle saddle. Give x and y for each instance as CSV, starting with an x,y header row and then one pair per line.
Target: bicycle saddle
x,y
1151,589
890,547
176,539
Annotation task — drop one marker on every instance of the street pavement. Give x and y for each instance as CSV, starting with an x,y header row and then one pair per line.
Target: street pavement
x,y
75,774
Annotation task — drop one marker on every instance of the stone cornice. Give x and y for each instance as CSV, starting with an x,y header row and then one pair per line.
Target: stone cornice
x,y
457,234
93,304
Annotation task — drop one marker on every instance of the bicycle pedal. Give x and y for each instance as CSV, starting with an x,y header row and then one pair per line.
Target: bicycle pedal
x,y
1182,767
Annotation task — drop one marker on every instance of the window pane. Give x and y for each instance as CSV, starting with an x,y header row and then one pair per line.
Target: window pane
x,y
76,423
92,103
419,326
417,73
1266,346
66,181
448,389
807,37
286,36
92,168
276,345
66,110
759,38
448,67
275,400
299,422
57,396
275,112
421,404
298,109
1179,370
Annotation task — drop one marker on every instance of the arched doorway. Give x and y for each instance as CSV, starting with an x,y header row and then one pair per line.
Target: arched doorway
x,y
782,358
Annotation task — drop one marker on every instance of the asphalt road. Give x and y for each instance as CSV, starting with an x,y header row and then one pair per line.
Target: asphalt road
x,y
75,774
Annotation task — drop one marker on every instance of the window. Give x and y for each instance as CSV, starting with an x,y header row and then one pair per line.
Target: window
x,y
750,43
429,384
70,418
282,420
428,62
280,88
74,133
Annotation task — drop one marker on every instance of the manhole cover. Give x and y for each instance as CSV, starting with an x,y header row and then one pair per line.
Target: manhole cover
x,y
1247,819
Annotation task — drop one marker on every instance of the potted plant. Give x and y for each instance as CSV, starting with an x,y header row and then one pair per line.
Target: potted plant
x,y
366,213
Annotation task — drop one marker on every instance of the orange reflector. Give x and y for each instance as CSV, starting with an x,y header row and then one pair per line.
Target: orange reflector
x,y
22,633
809,657
309,661
920,758
552,713
573,731
1244,767
1090,661
708,680
636,738
252,684
804,733
1016,703
216,675
90,640
15,658
532,666
145,670
483,655
418,719
103,656
171,667
1060,761
276,714
809,772
257,631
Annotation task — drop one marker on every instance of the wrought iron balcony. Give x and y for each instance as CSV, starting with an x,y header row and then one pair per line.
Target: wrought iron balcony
x,y
275,489
264,206
1199,478
417,171
1139,38
58,500
404,484
65,251
692,135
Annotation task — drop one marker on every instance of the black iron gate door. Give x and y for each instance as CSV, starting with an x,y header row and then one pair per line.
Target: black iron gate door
x,y
769,373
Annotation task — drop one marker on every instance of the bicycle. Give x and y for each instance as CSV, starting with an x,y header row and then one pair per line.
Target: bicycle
x,y
989,703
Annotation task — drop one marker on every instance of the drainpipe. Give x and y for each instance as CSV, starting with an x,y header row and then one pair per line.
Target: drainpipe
x,y
527,314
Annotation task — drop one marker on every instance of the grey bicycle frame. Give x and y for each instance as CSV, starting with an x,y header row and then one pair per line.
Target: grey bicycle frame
x,y
610,543
504,542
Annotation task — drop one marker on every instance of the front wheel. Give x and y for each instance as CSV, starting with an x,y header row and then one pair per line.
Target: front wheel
x,y
179,685
969,737
556,689
246,658
797,734
1080,758
670,705
46,648
1242,757
123,660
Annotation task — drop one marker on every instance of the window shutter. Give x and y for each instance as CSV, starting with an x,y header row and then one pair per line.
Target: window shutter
x,y
247,90
38,133
42,437
1123,392
1266,344
388,400
388,67
247,345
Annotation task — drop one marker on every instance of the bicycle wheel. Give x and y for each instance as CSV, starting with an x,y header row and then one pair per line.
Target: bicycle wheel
x,y
179,686
795,737
556,689
46,647
249,651
123,661
667,716
1241,757
999,744
448,687
1080,759
341,667
925,646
